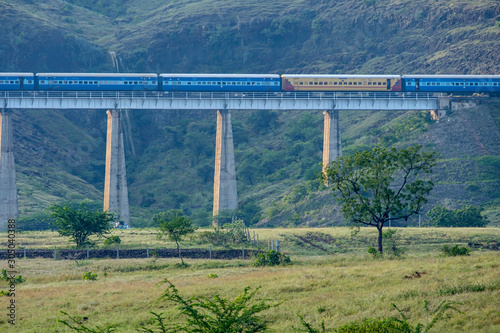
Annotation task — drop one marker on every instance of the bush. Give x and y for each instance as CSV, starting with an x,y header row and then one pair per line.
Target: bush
x,y
271,258
469,216
229,234
455,251
16,279
89,276
112,240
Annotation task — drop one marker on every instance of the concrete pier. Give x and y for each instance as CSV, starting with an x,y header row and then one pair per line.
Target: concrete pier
x,y
225,191
115,182
8,188
332,147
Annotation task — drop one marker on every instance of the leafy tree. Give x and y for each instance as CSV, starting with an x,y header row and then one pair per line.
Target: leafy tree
x,y
469,216
381,185
175,225
80,223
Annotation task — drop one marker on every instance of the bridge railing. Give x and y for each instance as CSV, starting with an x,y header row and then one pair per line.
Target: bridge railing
x,y
213,95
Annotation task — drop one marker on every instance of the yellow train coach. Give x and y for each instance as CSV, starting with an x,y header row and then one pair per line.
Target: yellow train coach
x,y
300,82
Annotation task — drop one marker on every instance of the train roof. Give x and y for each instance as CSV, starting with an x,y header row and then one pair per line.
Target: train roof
x,y
264,76
17,74
451,76
341,76
97,75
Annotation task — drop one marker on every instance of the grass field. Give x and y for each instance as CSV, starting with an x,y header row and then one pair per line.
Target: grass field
x,y
338,282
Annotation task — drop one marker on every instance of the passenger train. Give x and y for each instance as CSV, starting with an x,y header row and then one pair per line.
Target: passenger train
x,y
451,84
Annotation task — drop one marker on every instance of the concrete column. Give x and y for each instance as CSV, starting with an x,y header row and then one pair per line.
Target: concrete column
x,y
115,182
332,147
225,192
8,188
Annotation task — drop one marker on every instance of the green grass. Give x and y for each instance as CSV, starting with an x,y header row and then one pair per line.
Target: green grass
x,y
337,288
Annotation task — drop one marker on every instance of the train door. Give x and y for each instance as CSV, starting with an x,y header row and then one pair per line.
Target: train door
x,y
388,84
21,83
174,84
417,84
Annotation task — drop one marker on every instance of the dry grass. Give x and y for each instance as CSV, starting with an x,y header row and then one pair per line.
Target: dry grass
x,y
338,288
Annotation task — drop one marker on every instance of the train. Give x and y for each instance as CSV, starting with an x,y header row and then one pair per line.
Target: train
x,y
449,84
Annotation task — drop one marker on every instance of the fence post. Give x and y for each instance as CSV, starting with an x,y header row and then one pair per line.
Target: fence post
x,y
210,251
87,252
269,244
254,237
147,251
278,246
117,252
257,239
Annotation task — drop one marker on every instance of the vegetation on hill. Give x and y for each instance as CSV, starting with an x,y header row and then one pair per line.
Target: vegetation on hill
x,y
60,155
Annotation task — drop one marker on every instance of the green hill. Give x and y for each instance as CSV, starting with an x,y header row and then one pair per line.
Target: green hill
x,y
60,155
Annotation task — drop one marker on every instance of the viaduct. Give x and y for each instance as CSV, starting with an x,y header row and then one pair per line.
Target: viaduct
x,y
225,187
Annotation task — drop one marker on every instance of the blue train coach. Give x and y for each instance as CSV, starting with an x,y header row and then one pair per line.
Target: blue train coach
x,y
221,82
455,84
97,81
17,81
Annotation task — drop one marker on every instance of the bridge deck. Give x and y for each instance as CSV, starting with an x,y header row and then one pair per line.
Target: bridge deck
x,y
217,101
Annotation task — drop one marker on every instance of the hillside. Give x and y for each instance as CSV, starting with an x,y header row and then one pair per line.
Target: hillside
x,y
60,155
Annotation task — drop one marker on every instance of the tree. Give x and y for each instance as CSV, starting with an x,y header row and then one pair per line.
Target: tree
x,y
469,216
80,223
174,225
381,185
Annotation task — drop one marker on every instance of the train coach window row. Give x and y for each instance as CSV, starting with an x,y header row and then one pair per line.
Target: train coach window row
x,y
342,83
8,81
461,84
219,83
96,82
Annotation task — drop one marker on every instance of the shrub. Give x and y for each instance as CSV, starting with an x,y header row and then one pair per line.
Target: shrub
x,y
469,216
89,276
271,258
16,279
373,251
112,240
455,251
230,233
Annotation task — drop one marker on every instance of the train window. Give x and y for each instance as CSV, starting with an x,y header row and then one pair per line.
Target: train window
x,y
369,83
321,83
355,83
1,81
495,84
234,83
301,83
275,83
315,83
189,83
437,84
379,83
350,83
